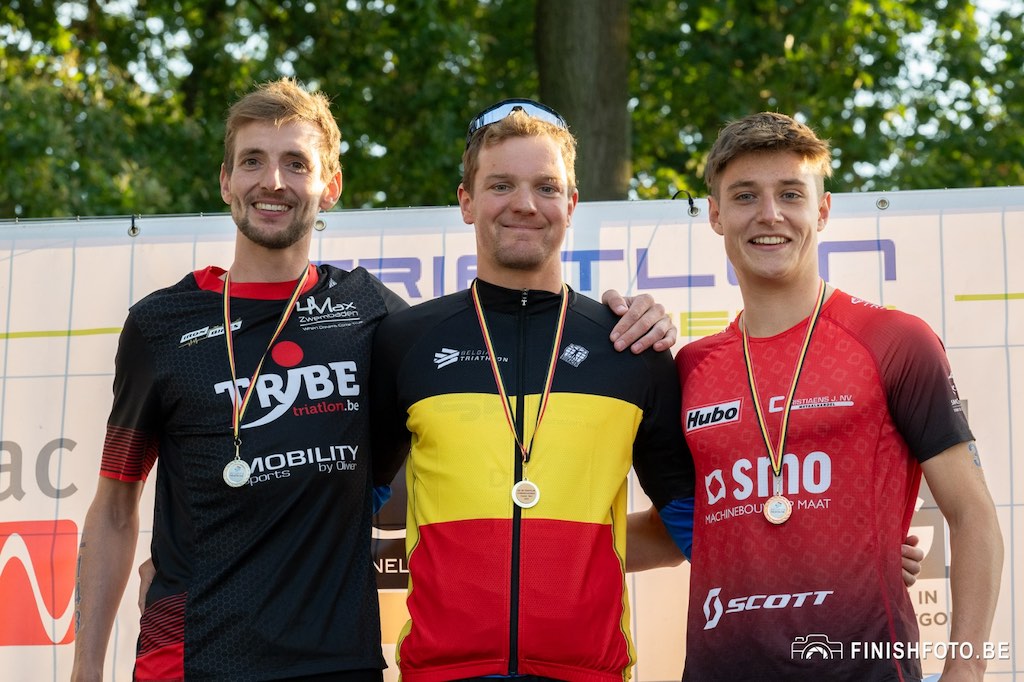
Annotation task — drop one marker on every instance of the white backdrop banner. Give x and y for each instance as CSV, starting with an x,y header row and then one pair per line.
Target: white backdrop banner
x,y
65,287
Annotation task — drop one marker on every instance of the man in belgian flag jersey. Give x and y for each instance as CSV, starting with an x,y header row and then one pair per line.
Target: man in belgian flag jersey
x,y
524,424
811,419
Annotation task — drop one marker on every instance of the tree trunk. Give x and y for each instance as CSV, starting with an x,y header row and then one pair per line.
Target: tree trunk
x,y
583,63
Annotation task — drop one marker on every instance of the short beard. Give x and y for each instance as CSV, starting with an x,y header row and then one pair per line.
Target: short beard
x,y
297,229
302,223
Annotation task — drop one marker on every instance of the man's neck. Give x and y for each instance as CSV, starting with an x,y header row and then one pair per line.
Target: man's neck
x,y
268,265
771,310
522,279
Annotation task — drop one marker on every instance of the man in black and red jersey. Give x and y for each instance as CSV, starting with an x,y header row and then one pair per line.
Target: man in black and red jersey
x,y
811,419
253,407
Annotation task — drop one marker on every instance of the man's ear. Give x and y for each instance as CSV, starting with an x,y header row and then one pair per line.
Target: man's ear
x,y
573,200
331,193
824,209
466,205
225,182
713,216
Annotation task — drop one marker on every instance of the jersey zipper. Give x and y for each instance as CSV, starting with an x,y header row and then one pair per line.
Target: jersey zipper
x,y
517,512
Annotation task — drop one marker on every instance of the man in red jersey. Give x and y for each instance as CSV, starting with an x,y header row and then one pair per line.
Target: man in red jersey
x,y
810,420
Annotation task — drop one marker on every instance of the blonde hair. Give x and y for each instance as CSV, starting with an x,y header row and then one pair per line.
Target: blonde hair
x,y
766,132
280,102
518,124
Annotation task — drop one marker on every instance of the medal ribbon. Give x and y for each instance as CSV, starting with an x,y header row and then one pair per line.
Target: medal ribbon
x,y
548,381
239,403
776,454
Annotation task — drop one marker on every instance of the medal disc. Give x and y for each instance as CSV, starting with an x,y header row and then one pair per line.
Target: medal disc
x,y
525,494
236,473
778,509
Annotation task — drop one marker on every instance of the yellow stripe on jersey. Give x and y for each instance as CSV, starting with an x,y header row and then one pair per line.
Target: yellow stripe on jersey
x,y
580,457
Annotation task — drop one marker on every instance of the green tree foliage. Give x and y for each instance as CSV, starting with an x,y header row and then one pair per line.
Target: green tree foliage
x,y
117,107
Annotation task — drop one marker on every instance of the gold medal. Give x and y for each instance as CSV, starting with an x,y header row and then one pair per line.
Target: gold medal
x,y
778,509
236,473
525,494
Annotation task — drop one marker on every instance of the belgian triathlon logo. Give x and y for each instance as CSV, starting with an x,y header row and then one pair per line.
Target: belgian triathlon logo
x,y
37,582
449,356
445,357
816,647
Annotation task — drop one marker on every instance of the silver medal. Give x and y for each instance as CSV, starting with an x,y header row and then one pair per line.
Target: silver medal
x,y
236,473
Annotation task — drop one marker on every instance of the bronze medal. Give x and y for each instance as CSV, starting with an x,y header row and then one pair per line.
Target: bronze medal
x,y
778,509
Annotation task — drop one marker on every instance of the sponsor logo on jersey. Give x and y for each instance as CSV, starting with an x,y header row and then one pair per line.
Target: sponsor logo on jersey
x,y
712,415
867,304
716,607
37,582
777,403
574,354
321,459
323,388
449,356
326,314
208,332
748,483
445,357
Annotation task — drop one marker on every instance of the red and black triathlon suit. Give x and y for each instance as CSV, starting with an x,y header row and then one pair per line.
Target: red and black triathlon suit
x,y
806,600
274,579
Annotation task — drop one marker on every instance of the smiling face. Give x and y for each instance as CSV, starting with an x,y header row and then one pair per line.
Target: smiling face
x,y
521,205
769,209
276,184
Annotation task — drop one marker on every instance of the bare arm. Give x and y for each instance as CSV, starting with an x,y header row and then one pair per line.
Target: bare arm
x,y
648,544
644,323
976,543
105,558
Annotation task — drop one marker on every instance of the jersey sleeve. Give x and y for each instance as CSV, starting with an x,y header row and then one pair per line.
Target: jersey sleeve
x,y
389,436
132,439
392,301
919,384
661,459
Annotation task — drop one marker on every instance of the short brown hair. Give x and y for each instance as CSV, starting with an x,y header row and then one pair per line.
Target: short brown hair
x,y
280,102
766,132
518,124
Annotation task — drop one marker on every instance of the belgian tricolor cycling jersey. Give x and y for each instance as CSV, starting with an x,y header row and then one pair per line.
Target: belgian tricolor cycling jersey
x,y
496,589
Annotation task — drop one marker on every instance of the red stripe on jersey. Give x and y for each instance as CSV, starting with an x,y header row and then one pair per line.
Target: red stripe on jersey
x,y
162,624
128,454
162,665
212,279
568,609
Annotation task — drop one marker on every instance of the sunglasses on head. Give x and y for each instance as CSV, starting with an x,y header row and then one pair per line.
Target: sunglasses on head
x,y
502,109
